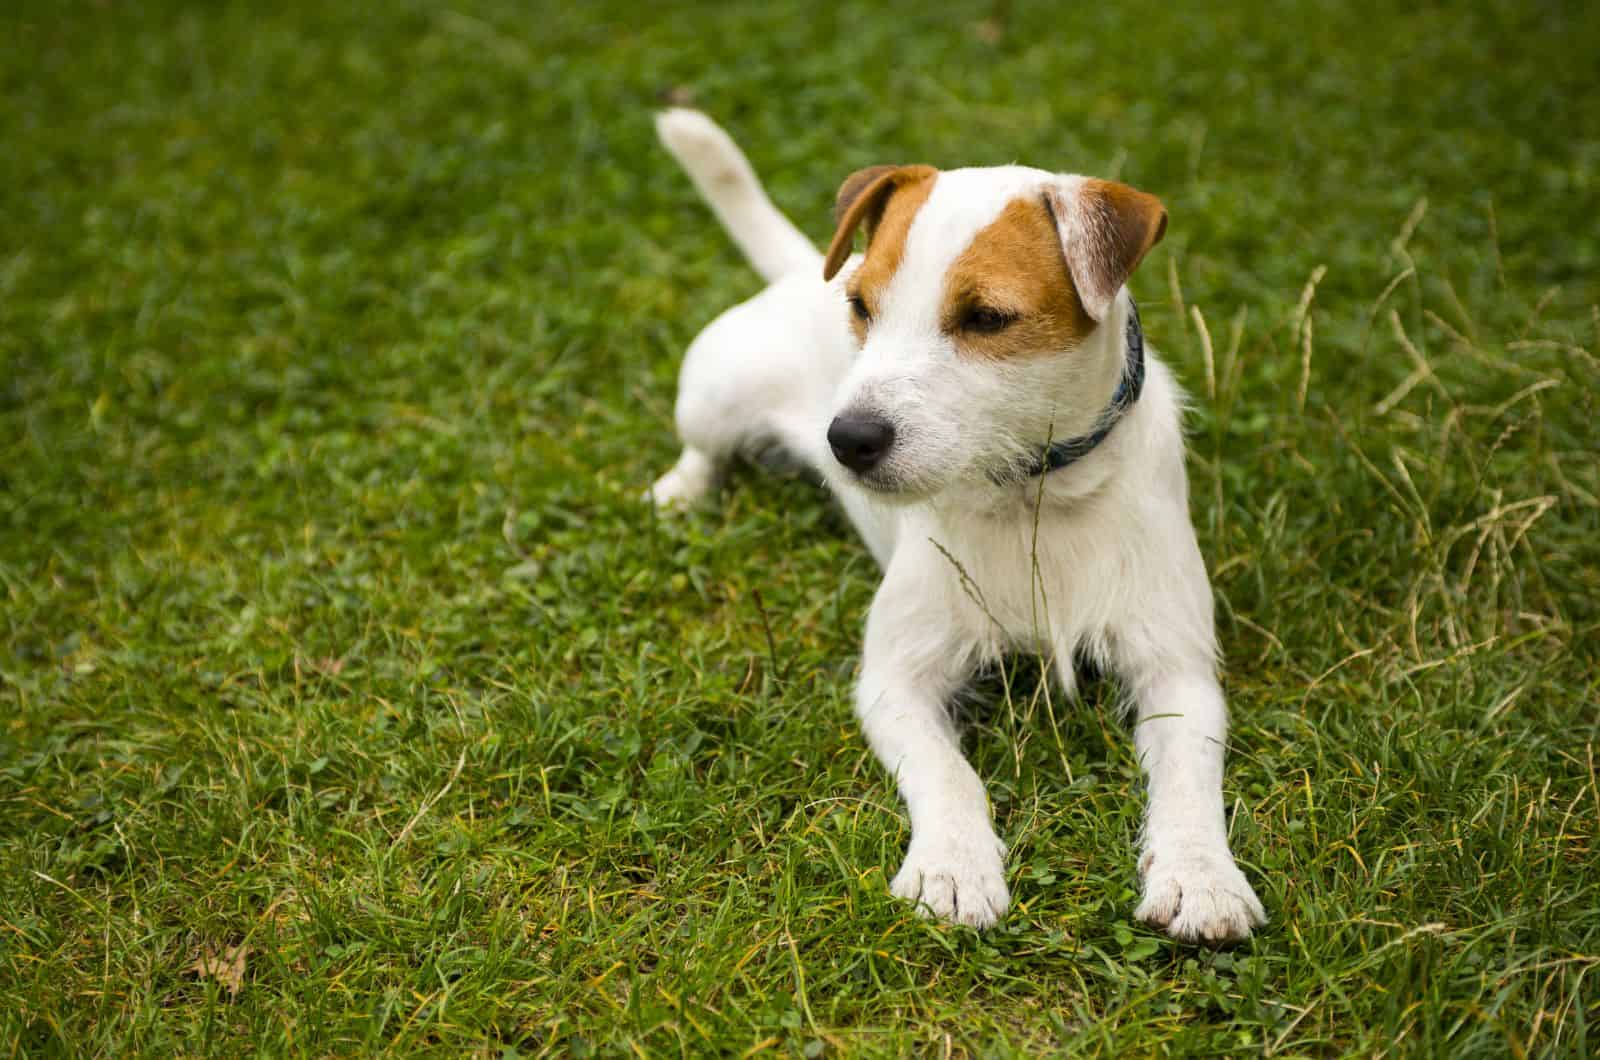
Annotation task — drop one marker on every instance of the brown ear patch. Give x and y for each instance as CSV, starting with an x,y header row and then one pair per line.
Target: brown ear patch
x,y
863,199
1106,230
854,185
1015,267
886,246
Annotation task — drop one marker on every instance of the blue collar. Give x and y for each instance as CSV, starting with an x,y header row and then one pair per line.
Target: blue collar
x,y
1071,450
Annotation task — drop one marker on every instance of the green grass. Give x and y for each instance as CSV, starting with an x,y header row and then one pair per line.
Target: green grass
x,y
336,342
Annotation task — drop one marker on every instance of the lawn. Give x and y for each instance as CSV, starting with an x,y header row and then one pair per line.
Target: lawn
x,y
351,702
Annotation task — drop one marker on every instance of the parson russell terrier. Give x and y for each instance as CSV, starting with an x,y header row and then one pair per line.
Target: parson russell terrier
x,y
977,393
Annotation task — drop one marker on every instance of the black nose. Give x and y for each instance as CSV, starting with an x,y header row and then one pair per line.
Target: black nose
x,y
859,442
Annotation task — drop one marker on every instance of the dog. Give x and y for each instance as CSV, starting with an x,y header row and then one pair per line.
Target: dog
x,y
976,392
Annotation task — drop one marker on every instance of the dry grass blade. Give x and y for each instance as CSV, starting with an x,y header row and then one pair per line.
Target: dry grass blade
x,y
1302,333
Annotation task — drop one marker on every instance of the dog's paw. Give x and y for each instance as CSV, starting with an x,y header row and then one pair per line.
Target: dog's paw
x,y
1197,894
961,878
691,478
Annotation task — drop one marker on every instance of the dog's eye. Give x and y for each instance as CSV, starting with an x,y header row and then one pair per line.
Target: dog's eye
x,y
859,308
984,321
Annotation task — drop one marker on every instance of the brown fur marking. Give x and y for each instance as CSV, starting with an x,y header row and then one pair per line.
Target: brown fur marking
x,y
1016,266
886,239
863,199
1110,229
853,186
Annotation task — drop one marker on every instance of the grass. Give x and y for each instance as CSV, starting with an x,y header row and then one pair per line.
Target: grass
x,y
349,702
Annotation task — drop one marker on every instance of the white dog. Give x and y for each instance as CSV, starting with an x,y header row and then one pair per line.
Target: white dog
x,y
976,391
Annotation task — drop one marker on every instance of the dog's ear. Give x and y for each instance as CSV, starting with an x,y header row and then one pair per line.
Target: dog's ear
x,y
862,198
1106,229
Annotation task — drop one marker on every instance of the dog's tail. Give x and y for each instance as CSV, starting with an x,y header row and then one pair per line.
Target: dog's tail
x,y
725,178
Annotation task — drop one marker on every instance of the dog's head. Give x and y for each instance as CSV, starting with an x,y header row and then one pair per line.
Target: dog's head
x,y
982,309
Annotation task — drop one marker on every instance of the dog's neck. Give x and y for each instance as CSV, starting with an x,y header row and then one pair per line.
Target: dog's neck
x,y
1069,451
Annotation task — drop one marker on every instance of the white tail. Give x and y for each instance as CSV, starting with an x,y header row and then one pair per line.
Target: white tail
x,y
726,180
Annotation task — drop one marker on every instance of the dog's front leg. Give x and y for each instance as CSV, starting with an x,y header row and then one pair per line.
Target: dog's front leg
x,y
1192,887
955,866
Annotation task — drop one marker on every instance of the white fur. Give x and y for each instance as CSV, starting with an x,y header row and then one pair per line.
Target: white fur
x,y
723,175
1099,557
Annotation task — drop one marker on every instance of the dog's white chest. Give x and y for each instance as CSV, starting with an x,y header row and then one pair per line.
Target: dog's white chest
x,y
1011,584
